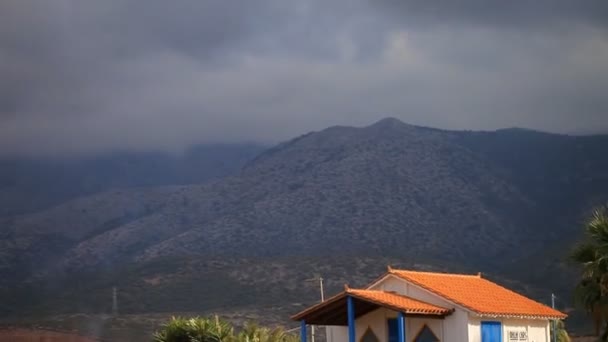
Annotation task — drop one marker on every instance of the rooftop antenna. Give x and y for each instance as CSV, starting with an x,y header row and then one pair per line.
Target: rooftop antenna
x,y
554,322
321,286
114,301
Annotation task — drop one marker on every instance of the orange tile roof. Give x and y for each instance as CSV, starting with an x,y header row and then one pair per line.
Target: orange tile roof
x,y
385,299
478,294
398,302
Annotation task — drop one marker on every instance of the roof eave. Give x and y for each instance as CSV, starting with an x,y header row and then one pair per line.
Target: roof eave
x,y
520,316
310,309
442,313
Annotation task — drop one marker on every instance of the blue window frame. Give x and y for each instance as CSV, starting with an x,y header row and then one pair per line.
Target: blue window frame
x,y
491,332
393,330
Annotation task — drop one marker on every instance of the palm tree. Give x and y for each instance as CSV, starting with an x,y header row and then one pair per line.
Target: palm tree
x,y
210,330
253,333
562,334
591,294
213,329
176,330
223,330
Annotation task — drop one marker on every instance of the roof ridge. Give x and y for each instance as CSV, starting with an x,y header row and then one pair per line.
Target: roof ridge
x,y
351,290
395,270
394,293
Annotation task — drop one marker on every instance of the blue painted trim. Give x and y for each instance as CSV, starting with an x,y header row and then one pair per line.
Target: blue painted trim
x,y
401,326
351,319
303,337
491,331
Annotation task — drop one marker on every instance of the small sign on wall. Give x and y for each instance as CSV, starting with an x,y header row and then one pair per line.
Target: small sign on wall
x,y
518,336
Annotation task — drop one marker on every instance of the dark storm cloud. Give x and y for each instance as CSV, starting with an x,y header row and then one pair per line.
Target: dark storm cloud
x,y
539,14
83,76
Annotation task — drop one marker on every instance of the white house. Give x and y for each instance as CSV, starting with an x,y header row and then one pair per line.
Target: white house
x,y
404,306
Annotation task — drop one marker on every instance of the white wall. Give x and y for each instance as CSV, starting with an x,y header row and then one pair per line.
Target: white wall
x,y
474,330
414,325
336,333
391,284
455,329
377,322
538,330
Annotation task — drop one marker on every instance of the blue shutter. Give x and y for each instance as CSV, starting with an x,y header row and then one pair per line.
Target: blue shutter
x,y
491,332
393,330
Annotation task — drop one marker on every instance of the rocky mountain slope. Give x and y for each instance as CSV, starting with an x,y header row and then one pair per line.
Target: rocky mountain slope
x,y
486,201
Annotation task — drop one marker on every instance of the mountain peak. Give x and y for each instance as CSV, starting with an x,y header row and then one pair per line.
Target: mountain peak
x,y
389,122
391,125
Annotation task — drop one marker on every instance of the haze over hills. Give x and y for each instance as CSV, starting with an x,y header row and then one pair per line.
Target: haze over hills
x,y
29,184
342,200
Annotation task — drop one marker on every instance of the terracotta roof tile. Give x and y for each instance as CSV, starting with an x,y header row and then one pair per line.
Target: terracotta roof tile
x,y
478,294
398,302
385,299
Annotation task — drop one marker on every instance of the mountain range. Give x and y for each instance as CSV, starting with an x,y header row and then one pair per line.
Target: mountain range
x,y
33,184
342,202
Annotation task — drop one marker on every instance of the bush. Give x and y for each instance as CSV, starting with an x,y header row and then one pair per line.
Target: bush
x,y
213,329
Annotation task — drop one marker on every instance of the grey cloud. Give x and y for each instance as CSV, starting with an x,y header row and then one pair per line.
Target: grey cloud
x,y
517,14
82,77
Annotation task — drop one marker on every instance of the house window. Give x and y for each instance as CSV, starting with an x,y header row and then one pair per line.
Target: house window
x,y
369,336
426,335
491,332
393,330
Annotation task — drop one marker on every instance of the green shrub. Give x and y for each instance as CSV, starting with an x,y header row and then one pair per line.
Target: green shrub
x,y
213,329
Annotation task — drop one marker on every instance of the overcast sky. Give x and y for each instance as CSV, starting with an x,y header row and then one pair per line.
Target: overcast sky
x,y
89,76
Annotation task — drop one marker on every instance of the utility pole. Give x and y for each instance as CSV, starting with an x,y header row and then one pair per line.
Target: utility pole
x,y
114,301
312,327
321,286
554,322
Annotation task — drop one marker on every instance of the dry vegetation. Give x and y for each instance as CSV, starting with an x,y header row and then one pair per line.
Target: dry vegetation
x,y
27,335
